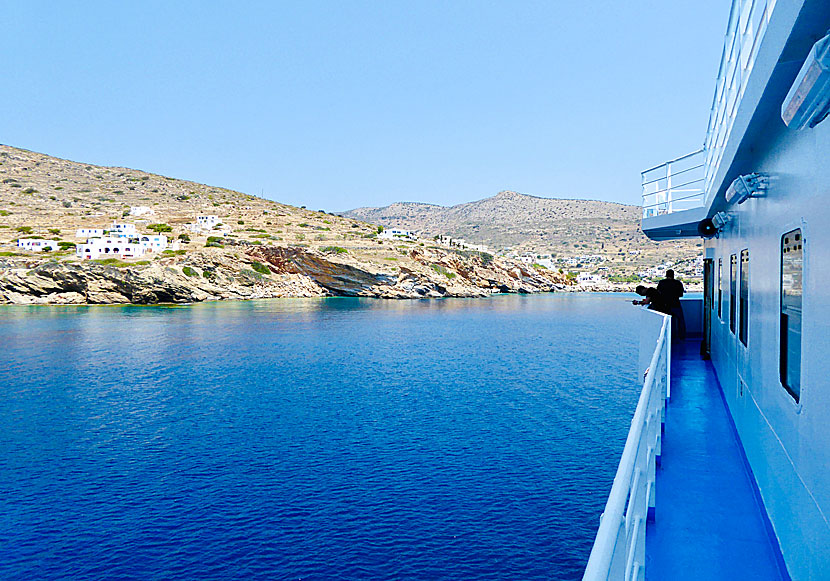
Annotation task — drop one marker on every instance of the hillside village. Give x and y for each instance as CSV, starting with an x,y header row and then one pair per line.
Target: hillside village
x,y
200,242
581,237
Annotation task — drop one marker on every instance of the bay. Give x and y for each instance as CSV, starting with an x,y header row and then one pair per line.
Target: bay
x,y
312,439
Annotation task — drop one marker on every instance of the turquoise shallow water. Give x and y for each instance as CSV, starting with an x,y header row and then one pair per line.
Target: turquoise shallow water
x,y
312,439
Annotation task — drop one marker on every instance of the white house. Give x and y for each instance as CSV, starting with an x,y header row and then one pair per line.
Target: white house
x,y
153,242
123,229
89,232
37,244
110,246
207,221
141,210
396,233
587,278
571,261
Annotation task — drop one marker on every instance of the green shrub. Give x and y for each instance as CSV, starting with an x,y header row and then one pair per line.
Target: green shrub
x,y
303,225
334,249
55,231
66,245
159,228
188,271
380,229
24,229
4,212
260,268
112,262
442,270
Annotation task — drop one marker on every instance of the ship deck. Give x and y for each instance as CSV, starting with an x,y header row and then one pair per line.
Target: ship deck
x,y
709,521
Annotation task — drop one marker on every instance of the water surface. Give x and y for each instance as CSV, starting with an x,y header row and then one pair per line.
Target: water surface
x,y
312,439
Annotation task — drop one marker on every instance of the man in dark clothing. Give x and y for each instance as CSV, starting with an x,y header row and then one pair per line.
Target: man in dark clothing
x,y
653,299
671,290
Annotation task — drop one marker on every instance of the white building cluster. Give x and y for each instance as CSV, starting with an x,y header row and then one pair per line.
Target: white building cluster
x,y
121,240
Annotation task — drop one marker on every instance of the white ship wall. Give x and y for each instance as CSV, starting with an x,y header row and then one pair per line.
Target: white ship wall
x,y
787,443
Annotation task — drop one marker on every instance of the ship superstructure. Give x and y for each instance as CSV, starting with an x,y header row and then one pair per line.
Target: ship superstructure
x,y
758,374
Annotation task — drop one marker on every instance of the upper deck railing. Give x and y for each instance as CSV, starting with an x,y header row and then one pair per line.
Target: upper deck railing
x,y
673,186
748,21
619,549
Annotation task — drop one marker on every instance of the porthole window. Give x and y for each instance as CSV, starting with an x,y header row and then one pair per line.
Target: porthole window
x,y
733,267
743,301
792,269
720,288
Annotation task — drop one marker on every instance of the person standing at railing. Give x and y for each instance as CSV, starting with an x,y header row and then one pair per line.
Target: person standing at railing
x,y
653,299
671,290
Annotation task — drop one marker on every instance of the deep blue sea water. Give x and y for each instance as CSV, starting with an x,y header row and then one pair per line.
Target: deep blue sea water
x,y
312,439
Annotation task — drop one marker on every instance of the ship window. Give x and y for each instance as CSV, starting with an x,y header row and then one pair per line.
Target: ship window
x,y
792,268
720,288
743,302
733,263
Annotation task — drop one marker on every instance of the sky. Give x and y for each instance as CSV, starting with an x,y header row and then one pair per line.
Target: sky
x,y
336,105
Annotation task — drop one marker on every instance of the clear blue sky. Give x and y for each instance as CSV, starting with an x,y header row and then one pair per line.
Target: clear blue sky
x,y
335,105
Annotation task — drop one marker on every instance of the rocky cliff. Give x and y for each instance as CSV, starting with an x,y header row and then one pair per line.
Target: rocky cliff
x,y
256,271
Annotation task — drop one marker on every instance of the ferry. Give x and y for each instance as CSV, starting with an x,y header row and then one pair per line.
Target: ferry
x,y
725,472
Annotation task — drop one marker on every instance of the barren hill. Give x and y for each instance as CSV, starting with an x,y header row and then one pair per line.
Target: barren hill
x,y
274,249
518,224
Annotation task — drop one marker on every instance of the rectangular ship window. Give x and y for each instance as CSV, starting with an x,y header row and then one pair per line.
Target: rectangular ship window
x,y
733,267
743,303
720,288
792,269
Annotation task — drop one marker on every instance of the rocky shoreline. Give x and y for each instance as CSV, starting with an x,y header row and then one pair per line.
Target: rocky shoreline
x,y
255,272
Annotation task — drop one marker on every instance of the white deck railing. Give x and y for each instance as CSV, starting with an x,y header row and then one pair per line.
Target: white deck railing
x,y
674,186
620,546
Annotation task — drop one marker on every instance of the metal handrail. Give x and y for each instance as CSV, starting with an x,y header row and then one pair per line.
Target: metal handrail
x,y
681,158
673,200
677,187
677,173
660,184
618,553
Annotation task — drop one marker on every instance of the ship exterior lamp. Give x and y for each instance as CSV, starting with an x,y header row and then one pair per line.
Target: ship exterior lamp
x,y
808,101
744,187
711,227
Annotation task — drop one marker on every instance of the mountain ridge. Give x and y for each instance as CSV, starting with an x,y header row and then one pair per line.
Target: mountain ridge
x,y
513,223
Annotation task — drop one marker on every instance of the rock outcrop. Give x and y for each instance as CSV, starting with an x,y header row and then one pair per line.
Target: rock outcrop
x,y
250,272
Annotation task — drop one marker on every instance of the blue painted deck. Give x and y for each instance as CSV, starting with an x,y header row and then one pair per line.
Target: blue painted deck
x,y
708,521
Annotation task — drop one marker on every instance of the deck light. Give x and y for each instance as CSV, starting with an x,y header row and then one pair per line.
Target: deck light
x,y
711,227
746,186
720,220
808,102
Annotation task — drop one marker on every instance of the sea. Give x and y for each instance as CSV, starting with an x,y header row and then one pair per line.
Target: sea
x,y
335,438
